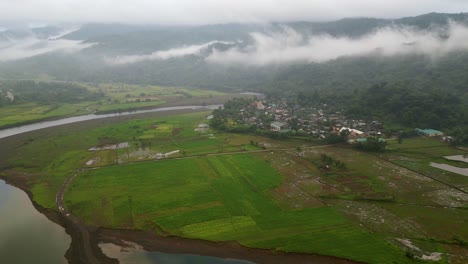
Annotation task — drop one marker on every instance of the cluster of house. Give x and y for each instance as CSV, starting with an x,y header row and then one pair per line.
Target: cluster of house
x,y
278,116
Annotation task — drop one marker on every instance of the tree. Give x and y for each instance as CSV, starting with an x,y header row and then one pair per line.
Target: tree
x,y
298,149
373,144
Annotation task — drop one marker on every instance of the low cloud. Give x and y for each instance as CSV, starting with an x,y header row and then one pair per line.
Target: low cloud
x,y
164,54
17,49
289,46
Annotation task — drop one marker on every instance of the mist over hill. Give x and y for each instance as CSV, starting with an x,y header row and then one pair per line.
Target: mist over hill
x,y
303,56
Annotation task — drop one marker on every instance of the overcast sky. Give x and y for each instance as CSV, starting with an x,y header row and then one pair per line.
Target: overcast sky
x,y
215,11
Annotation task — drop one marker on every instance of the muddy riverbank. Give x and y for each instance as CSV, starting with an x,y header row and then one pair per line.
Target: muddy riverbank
x,y
151,241
85,238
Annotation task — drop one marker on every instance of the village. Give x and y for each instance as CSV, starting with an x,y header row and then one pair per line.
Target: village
x,y
318,122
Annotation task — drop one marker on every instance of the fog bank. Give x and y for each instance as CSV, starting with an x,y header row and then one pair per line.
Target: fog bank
x,y
289,46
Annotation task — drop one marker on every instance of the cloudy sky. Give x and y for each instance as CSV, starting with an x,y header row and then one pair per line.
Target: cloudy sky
x,y
214,11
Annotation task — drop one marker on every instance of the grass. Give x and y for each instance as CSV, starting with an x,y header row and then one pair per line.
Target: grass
x,y
15,114
417,153
416,142
433,221
131,92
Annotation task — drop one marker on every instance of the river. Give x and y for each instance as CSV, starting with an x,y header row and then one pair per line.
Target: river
x,y
36,126
27,236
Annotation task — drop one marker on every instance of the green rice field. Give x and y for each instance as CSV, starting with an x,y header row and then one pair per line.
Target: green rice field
x,y
220,198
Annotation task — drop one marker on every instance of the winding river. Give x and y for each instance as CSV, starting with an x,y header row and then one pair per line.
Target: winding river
x,y
36,126
27,236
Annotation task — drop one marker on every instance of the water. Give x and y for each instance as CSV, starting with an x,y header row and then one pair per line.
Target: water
x,y
135,255
450,168
27,236
457,158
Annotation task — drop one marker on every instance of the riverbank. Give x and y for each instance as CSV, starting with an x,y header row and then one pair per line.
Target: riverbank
x,y
151,241
80,239
85,238
219,100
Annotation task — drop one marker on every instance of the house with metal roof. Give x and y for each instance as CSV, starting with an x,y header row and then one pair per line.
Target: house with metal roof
x,y
429,132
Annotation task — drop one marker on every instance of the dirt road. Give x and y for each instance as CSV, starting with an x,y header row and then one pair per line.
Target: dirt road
x,y
85,250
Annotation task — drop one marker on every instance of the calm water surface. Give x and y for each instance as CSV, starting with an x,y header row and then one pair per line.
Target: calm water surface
x,y
27,236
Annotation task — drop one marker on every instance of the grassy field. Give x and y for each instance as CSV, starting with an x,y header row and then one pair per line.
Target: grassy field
x,y
146,136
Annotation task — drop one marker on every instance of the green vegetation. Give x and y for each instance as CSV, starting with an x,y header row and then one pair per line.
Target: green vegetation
x,y
374,144
146,137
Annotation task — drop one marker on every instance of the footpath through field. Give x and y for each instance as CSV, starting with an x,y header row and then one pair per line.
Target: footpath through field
x,y
85,248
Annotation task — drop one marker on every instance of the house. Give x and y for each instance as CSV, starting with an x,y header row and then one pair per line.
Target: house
x,y
259,105
429,132
448,139
278,126
202,128
353,133
362,140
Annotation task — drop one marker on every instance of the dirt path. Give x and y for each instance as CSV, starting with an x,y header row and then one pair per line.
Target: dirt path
x,y
85,251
